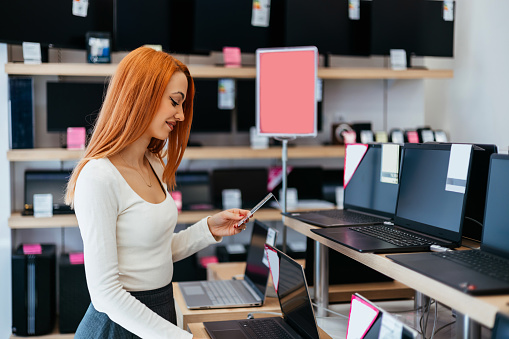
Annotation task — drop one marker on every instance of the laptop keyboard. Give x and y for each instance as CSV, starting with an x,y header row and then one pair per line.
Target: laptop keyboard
x,y
352,217
393,236
265,328
215,290
480,261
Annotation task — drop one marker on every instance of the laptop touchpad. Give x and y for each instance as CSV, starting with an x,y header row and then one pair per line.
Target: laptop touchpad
x,y
229,334
194,290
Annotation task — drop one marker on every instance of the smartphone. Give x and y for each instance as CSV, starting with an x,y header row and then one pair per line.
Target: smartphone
x,y
256,208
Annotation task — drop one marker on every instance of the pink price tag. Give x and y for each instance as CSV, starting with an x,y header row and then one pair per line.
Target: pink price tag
x,y
32,249
76,258
76,137
231,56
177,197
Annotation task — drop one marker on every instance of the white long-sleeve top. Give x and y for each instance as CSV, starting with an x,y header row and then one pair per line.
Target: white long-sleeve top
x,y
130,245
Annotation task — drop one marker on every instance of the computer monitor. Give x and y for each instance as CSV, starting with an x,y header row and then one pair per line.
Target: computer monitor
x,y
307,181
207,117
365,190
416,26
223,23
46,182
153,22
195,189
252,183
328,26
73,104
53,24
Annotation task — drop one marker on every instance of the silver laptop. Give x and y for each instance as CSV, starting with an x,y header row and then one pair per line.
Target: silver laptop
x,y
298,319
236,293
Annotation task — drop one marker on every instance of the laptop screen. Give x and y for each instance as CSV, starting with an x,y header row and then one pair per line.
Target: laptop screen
x,y
496,215
257,269
424,204
294,297
366,192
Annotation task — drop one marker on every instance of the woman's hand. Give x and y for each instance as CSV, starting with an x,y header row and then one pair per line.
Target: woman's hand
x,y
225,223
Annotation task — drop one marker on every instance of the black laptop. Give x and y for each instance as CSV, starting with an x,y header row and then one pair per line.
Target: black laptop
x,y
483,271
367,199
298,319
46,182
426,213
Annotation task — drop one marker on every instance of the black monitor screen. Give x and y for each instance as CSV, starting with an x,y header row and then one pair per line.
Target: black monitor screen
x,y
153,22
207,117
72,104
53,23
294,298
416,26
326,25
252,183
366,192
195,189
257,270
46,182
424,204
223,23
496,215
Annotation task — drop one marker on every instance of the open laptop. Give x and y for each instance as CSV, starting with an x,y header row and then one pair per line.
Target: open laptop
x,y
367,200
381,327
46,182
298,319
236,293
483,271
426,213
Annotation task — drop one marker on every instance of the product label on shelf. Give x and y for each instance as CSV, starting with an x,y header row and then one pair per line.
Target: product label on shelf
x,y
32,249
80,8
261,13
43,205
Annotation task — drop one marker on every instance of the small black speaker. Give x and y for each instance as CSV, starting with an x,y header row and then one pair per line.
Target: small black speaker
x,y
21,113
74,297
33,291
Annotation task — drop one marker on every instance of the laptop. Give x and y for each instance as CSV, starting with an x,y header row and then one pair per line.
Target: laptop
x,y
367,200
426,213
298,319
46,182
383,324
501,327
236,293
492,276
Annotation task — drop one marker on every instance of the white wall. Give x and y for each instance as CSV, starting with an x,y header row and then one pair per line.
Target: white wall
x,y
474,105
5,206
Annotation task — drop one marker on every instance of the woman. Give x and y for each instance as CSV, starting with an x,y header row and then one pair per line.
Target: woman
x,y
125,214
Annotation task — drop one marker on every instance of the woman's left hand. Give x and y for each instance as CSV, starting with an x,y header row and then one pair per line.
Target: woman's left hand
x,y
225,223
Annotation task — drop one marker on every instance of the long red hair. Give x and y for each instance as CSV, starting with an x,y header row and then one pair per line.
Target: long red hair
x,y
131,101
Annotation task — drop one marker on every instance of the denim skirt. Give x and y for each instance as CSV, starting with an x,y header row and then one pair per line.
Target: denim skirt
x,y
96,324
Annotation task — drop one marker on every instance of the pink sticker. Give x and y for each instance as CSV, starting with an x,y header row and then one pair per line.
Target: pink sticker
x,y
231,56
413,137
32,249
76,137
205,261
177,197
76,258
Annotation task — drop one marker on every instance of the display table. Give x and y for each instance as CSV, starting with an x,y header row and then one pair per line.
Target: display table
x,y
479,309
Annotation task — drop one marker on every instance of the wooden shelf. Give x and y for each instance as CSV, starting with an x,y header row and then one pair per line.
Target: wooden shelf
x,y
84,69
193,153
18,221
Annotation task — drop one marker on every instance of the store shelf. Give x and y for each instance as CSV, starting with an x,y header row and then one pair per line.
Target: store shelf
x,y
83,69
194,153
18,221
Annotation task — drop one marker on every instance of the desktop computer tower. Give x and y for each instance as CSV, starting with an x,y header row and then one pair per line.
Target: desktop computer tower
x,y
74,298
33,291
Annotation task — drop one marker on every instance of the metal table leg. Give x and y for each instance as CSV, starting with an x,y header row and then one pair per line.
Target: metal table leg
x,y
467,328
321,275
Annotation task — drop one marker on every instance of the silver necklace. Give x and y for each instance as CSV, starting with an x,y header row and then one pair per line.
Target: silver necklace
x,y
134,168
